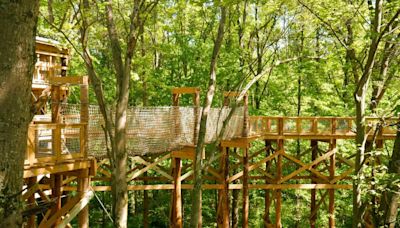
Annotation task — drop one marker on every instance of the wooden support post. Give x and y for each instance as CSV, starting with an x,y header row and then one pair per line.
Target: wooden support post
x,y
267,196
55,103
145,204
278,204
223,194
84,116
56,194
176,214
245,208
245,116
196,103
314,153
83,188
332,167
31,201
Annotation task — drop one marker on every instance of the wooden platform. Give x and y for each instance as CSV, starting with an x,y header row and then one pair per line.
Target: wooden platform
x,y
60,167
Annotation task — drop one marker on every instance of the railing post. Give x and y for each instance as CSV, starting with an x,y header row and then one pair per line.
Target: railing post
x,y
57,142
84,117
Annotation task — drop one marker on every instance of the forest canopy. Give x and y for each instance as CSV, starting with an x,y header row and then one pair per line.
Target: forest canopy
x,y
285,58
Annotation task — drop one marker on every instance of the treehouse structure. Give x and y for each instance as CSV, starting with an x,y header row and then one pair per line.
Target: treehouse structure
x,y
57,150
67,152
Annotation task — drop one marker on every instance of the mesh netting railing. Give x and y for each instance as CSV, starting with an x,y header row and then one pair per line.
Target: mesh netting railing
x,y
156,129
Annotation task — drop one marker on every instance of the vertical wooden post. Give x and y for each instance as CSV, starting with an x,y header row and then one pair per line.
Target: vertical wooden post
x,y
56,194
55,104
31,200
278,205
332,167
84,115
267,196
314,153
245,116
223,194
196,103
245,208
176,214
83,188
145,204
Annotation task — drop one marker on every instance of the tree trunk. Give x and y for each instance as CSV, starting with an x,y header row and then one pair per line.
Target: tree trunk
x,y
360,101
17,58
391,199
198,163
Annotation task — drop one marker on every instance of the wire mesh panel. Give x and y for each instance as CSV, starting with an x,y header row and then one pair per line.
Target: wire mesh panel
x,y
44,145
70,141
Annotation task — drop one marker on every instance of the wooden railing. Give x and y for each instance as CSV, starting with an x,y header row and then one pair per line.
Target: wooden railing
x,y
54,142
316,127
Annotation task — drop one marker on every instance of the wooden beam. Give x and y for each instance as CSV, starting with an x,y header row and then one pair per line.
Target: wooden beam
x,y
57,167
155,168
314,154
332,169
81,205
308,167
278,193
85,195
254,166
70,80
245,191
64,210
176,213
145,169
185,90
220,186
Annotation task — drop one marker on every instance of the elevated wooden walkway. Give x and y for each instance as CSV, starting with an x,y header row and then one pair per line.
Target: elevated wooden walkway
x,y
57,160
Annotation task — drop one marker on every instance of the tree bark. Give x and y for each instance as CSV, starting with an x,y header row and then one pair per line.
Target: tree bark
x,y
360,95
198,163
17,58
390,200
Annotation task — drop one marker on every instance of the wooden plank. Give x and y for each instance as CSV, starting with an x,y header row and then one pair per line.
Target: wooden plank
x,y
214,173
254,166
318,205
183,154
220,186
155,168
341,176
306,166
56,168
55,216
185,90
145,169
31,191
346,161
186,175
70,80
76,209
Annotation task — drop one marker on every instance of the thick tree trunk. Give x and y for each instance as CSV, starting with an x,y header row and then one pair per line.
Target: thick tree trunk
x,y
17,58
198,163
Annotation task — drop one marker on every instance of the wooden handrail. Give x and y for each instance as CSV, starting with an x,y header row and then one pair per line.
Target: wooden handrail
x,y
309,126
